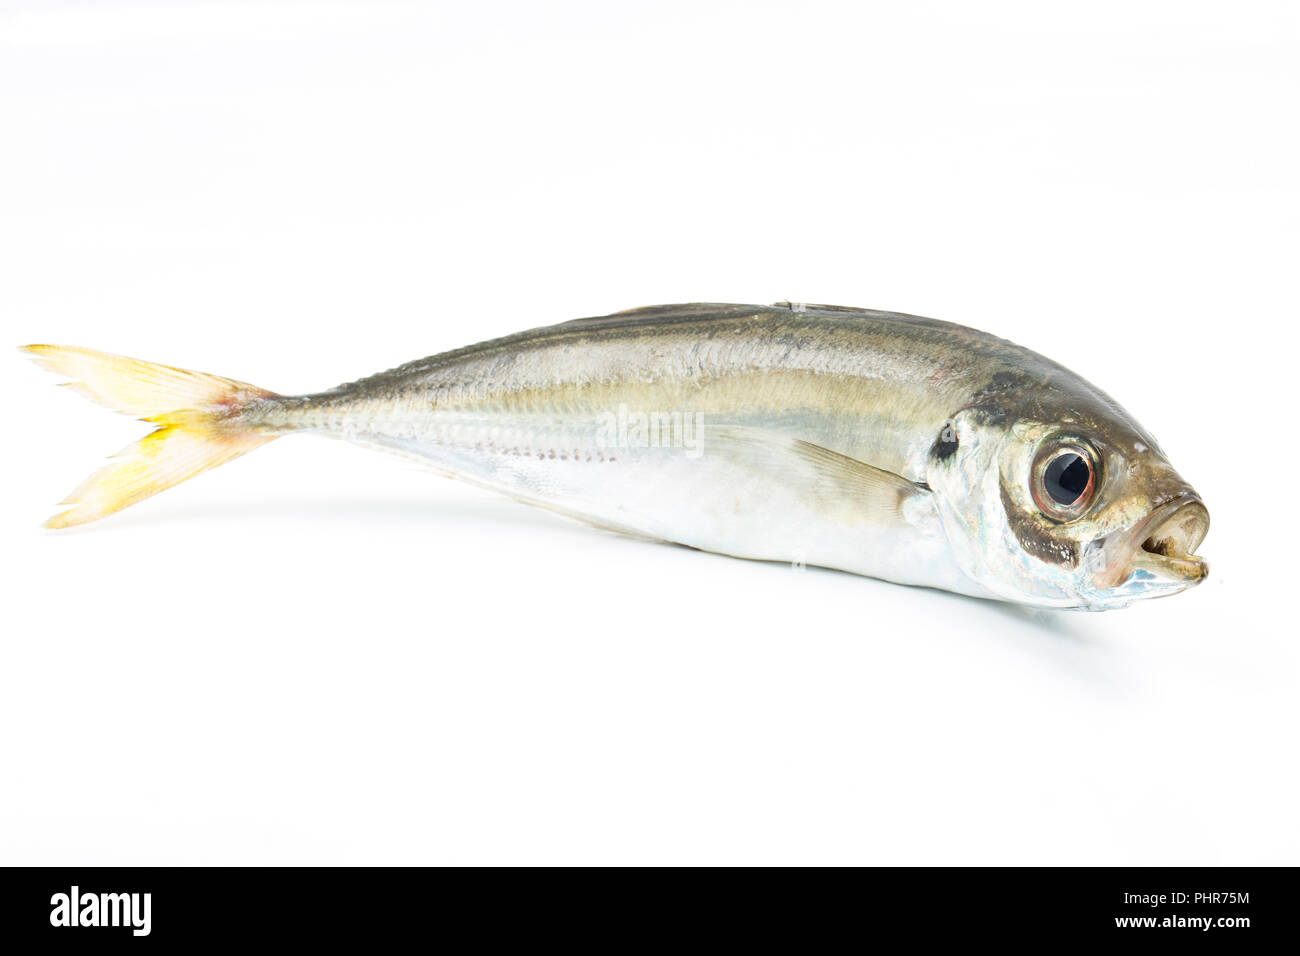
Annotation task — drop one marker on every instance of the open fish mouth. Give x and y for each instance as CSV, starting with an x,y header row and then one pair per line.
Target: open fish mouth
x,y
1167,541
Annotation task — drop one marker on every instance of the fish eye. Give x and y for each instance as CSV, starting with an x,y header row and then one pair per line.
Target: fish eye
x,y
1064,480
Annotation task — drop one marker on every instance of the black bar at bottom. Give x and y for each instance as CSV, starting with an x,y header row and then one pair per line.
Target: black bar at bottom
x,y
801,908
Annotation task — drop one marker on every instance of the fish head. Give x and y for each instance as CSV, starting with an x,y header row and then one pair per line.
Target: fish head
x,y
1052,495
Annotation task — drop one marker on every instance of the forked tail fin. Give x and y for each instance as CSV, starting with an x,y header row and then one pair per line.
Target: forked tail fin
x,y
194,414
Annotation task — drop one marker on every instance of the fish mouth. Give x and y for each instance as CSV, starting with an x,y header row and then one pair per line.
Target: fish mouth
x,y
1167,541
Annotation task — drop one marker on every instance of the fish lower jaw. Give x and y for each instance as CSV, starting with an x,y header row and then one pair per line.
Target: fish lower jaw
x,y
1162,558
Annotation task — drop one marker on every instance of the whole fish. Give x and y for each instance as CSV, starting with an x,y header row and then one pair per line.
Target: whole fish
x,y
883,444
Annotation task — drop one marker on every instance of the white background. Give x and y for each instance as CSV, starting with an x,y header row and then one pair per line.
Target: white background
x,y
320,655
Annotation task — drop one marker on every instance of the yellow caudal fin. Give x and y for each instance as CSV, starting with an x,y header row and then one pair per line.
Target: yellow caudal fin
x,y
196,419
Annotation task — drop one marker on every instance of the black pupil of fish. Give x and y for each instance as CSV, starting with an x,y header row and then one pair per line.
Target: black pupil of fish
x,y
1066,478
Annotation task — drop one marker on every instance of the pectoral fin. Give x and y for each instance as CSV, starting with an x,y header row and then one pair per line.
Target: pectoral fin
x,y
854,490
